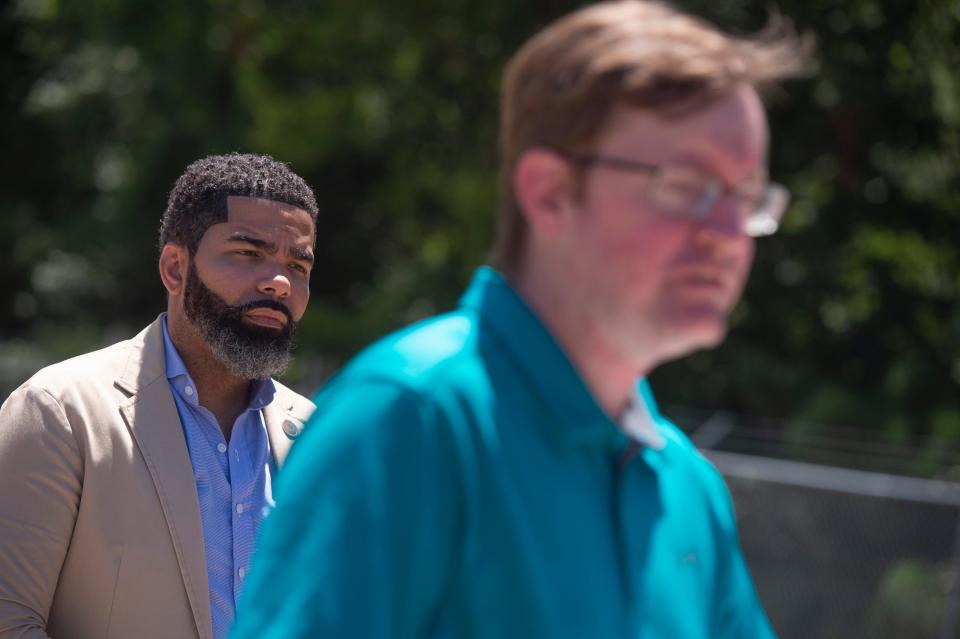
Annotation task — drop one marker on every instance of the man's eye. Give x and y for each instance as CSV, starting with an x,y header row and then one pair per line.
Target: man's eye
x,y
684,179
298,267
676,193
684,187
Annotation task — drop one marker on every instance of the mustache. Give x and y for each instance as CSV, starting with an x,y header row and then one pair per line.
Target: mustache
x,y
238,311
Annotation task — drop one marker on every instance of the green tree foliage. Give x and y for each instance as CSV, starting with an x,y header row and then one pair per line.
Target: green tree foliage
x,y
851,318
910,600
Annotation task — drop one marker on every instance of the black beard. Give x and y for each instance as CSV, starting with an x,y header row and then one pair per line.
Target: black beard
x,y
249,352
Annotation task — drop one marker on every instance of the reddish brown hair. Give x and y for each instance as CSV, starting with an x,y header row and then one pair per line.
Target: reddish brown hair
x,y
561,87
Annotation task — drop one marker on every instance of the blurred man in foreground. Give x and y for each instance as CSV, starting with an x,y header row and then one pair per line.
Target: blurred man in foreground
x,y
501,470
133,479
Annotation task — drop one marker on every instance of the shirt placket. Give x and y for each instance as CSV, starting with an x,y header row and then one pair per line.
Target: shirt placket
x,y
242,510
640,508
625,546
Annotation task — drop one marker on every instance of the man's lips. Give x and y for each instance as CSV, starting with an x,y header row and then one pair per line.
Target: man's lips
x,y
703,281
706,281
266,317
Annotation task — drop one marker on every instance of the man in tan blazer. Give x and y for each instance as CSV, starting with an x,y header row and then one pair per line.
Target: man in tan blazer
x,y
132,479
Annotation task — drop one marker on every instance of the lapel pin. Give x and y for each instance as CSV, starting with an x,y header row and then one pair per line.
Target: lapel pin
x,y
291,428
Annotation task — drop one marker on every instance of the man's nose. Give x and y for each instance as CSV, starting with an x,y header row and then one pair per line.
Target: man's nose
x,y
726,219
275,284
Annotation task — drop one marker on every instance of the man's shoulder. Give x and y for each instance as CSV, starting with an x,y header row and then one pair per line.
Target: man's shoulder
x,y
422,356
98,368
95,367
79,390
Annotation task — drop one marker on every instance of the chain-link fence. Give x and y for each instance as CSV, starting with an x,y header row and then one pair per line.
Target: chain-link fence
x,y
848,534
847,553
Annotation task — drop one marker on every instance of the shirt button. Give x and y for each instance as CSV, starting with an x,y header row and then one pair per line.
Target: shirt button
x,y
222,447
242,572
239,509
188,391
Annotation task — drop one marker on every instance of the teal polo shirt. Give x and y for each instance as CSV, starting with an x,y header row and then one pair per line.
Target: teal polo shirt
x,y
459,480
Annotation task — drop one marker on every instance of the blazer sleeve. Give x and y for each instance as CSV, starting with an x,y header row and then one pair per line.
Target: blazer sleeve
x,y
41,471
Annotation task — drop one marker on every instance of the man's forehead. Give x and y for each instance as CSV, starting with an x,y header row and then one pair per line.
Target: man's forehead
x,y
732,128
260,215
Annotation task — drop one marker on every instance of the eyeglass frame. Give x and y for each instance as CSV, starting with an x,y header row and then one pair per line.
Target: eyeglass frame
x,y
761,221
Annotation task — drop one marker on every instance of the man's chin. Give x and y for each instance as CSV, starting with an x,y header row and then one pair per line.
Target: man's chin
x,y
694,331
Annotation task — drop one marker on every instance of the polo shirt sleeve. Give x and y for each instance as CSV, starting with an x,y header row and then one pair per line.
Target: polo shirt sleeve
x,y
363,537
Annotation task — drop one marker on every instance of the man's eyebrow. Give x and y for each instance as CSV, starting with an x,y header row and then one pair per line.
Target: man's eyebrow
x,y
269,247
303,254
297,253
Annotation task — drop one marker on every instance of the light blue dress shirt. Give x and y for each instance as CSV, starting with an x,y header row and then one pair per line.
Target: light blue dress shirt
x,y
233,483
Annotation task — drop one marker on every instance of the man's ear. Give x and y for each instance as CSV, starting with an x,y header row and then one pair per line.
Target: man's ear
x,y
543,182
174,261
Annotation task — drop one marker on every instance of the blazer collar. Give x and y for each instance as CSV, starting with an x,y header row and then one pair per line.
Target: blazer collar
x,y
145,362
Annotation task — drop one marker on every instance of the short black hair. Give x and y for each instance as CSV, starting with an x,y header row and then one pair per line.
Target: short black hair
x,y
199,198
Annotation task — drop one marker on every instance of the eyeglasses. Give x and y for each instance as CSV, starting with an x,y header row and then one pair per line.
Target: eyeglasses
x,y
689,192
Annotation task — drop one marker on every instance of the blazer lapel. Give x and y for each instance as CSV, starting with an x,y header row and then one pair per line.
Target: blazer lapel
x,y
152,417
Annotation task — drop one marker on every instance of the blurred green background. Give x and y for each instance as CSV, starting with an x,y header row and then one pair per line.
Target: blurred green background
x,y
845,349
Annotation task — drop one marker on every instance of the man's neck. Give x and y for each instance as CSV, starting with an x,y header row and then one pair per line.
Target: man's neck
x,y
608,375
218,390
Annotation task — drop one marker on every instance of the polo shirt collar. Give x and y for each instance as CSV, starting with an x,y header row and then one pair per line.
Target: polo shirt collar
x,y
579,420
261,395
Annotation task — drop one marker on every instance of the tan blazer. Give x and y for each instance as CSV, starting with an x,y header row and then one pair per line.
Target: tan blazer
x,y
99,520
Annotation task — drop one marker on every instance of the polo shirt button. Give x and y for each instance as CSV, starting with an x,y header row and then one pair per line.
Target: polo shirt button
x,y
242,572
222,447
188,391
239,509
